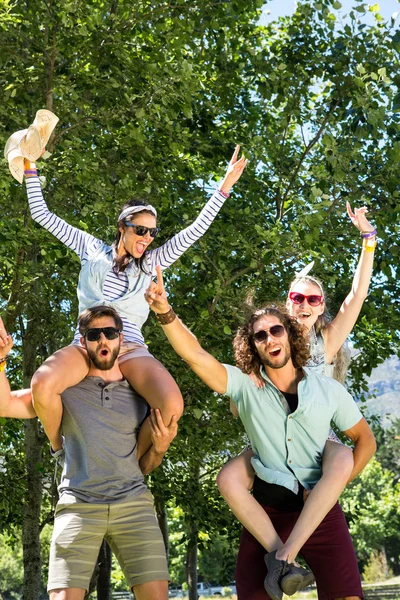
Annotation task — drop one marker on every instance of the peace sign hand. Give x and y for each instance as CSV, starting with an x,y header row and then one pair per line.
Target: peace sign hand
x,y
359,219
234,171
156,295
6,342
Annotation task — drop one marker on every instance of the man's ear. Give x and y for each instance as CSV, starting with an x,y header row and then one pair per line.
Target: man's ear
x,y
121,337
82,341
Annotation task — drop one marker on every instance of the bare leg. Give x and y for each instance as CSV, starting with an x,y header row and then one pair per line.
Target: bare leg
x,y
67,594
235,480
153,590
63,369
337,465
152,381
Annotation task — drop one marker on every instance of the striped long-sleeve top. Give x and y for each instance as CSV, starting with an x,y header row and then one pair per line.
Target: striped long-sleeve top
x,y
85,246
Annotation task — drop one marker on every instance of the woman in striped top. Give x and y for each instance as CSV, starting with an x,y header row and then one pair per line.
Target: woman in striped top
x,y
118,276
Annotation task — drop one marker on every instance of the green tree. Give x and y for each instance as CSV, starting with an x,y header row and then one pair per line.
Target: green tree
x,y
152,98
388,443
371,505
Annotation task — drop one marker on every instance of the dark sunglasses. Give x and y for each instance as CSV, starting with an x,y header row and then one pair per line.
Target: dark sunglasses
x,y
142,230
276,331
312,300
94,334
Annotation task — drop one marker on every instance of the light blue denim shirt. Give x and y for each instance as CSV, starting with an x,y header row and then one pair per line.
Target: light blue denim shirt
x,y
131,305
288,446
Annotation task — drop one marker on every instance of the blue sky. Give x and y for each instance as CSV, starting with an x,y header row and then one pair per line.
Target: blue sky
x,y
279,8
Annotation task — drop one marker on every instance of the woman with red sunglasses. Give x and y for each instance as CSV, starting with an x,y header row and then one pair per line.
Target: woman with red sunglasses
x,y
307,304
118,276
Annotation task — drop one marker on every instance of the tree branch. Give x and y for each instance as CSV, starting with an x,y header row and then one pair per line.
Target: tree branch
x,y
305,153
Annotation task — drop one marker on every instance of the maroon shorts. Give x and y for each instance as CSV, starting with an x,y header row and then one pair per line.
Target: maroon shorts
x,y
329,553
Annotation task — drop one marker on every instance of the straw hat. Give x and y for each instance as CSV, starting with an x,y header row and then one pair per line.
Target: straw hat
x,y
29,143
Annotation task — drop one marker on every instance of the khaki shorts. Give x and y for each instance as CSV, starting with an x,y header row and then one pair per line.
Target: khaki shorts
x,y
130,528
132,350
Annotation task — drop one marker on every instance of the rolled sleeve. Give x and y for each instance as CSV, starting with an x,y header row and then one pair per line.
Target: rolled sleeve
x,y
347,413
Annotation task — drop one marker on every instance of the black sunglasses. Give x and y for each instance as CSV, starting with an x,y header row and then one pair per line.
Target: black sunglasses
x,y
94,334
276,331
142,230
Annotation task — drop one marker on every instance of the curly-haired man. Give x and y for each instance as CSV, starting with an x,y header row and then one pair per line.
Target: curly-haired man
x,y
287,422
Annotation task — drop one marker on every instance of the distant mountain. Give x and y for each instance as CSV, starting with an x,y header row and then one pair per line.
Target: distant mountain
x,y
384,383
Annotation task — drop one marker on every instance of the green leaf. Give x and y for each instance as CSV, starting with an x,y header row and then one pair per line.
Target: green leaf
x,y
227,330
396,103
197,413
316,191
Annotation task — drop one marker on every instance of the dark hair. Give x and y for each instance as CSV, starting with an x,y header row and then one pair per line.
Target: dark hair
x,y
246,355
96,312
121,263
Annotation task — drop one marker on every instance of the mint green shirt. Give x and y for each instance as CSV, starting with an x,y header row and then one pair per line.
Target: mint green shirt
x,y
288,446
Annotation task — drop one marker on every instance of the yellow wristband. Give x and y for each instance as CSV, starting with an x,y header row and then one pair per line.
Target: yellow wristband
x,y
369,245
2,365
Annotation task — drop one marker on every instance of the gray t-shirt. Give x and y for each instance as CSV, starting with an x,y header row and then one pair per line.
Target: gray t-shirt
x,y
100,424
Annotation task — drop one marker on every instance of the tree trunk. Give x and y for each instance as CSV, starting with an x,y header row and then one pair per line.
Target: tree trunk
x,y
33,442
191,561
104,578
101,576
31,522
162,519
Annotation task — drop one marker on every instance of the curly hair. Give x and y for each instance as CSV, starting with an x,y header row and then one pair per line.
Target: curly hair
x,y
246,355
342,359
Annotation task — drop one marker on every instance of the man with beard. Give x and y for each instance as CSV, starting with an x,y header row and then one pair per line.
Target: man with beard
x,y
102,493
287,422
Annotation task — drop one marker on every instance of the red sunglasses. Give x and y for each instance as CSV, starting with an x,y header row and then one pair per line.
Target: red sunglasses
x,y
312,300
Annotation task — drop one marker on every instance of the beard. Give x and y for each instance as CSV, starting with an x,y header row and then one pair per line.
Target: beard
x,y
100,362
279,362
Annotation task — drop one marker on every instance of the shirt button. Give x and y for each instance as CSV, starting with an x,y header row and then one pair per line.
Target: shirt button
x,y
107,397
289,439
100,384
290,461
290,417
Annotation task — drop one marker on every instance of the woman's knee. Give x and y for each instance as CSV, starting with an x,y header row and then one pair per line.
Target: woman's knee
x,y
43,384
224,481
232,476
337,459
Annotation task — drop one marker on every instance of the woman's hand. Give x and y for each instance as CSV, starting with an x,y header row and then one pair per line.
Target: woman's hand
x,y
234,171
359,219
156,296
6,342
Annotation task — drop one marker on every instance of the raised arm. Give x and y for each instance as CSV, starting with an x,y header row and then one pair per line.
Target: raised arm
x,y
169,252
72,237
17,405
212,372
337,331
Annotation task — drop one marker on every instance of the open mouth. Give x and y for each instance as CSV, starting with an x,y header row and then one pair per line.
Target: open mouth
x,y
275,352
140,247
303,315
104,352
